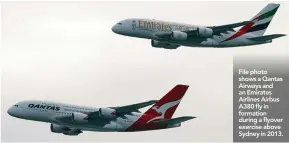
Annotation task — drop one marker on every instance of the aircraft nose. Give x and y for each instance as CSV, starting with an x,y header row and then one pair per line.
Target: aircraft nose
x,y
10,111
114,28
118,28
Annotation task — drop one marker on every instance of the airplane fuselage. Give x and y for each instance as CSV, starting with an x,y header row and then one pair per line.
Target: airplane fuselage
x,y
73,119
60,114
150,28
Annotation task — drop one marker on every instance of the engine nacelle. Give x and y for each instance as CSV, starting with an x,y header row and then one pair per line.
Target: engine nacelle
x,y
179,36
160,44
65,130
107,113
205,32
79,117
58,128
73,132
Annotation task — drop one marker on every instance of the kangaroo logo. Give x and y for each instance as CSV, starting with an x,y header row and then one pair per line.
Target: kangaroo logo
x,y
163,109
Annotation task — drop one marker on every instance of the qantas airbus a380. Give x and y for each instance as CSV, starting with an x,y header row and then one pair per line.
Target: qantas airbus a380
x,y
171,35
72,119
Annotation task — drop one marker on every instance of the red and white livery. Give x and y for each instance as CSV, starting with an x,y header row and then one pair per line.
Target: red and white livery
x,y
73,119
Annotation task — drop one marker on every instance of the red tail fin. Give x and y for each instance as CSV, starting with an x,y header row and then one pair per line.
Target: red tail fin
x,y
163,109
168,104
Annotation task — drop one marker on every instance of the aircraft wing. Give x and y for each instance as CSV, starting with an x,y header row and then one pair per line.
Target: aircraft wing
x,y
174,120
222,28
133,107
216,30
228,27
120,111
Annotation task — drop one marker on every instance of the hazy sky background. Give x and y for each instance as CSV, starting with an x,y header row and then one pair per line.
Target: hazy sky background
x,y
66,52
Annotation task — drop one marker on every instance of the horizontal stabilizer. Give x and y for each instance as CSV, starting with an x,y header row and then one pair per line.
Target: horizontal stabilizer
x,y
174,120
266,38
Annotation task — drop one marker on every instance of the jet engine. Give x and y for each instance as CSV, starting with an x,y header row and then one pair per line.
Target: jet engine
x,y
205,32
73,132
160,44
79,118
179,36
107,113
58,128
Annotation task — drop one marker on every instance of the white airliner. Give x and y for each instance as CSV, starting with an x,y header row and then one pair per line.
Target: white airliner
x,y
171,35
72,119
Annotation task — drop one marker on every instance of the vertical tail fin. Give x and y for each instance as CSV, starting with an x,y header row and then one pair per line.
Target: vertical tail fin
x,y
163,109
262,20
167,105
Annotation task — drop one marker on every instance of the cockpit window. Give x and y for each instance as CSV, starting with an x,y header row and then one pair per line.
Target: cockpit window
x,y
16,105
119,23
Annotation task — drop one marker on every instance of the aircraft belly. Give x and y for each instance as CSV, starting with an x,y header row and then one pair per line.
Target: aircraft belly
x,y
110,127
192,43
92,128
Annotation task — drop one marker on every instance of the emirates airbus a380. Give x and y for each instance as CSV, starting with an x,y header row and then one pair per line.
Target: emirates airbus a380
x,y
171,35
73,119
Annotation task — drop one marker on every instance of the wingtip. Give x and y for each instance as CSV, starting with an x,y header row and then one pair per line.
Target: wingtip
x,y
193,117
190,117
280,35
